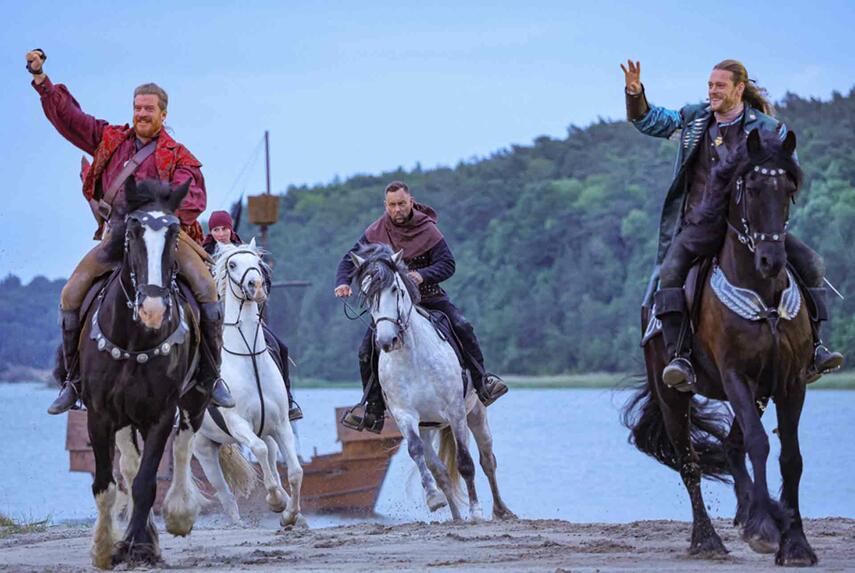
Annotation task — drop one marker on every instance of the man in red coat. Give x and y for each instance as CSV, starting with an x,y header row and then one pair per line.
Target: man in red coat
x,y
144,151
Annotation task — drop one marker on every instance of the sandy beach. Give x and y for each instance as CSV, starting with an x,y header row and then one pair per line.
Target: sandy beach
x,y
523,545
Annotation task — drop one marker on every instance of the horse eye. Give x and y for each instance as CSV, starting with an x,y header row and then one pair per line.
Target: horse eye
x,y
232,265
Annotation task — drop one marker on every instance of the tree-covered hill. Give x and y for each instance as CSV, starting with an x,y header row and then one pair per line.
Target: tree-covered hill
x,y
554,243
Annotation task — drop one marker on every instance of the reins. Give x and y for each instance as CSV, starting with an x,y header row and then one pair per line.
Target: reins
x,y
252,351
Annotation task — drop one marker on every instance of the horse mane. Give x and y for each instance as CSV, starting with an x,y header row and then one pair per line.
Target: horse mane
x,y
221,276
379,266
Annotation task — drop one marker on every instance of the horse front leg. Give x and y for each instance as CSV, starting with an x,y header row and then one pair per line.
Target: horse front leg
x,y
794,549
480,428
766,518
140,544
283,436
676,414
183,500
409,426
129,464
104,536
734,450
277,499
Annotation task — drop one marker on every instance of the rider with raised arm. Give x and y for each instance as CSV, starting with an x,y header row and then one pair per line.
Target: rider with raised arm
x,y
144,151
691,227
221,231
411,227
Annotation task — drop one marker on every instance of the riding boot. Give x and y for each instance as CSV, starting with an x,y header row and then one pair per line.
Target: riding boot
x,y
294,411
279,352
69,394
375,407
824,360
671,310
208,374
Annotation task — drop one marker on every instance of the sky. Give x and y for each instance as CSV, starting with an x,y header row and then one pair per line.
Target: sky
x,y
365,87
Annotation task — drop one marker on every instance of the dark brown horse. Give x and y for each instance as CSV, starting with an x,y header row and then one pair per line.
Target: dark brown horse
x,y
137,355
752,343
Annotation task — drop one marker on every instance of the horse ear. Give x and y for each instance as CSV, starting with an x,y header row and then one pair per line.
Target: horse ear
x,y
396,258
789,145
252,243
755,147
357,260
177,195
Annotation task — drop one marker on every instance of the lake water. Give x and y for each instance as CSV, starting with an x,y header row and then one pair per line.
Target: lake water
x,y
561,454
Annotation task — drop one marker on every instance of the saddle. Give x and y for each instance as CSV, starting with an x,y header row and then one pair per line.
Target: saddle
x,y
696,281
445,330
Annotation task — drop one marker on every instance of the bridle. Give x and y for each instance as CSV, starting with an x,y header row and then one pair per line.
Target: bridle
x,y
748,236
155,223
241,296
401,319
168,292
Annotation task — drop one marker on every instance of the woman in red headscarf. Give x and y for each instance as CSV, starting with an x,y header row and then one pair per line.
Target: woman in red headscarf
x,y
222,232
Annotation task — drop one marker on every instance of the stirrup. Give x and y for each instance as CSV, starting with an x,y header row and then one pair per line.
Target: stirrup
x,y
493,389
832,361
368,421
295,412
221,396
679,374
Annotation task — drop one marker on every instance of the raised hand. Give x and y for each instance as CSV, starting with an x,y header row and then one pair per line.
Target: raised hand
x,y
35,60
632,76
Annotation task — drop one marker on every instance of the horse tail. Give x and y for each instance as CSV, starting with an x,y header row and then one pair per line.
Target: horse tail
x,y
643,417
240,475
448,455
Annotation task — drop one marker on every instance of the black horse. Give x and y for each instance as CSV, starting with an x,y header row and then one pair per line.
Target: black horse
x,y
749,347
138,352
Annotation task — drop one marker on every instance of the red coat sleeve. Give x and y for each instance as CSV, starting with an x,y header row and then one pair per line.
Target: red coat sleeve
x,y
63,111
196,200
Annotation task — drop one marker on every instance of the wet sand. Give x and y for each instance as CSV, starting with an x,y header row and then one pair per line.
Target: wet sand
x,y
523,545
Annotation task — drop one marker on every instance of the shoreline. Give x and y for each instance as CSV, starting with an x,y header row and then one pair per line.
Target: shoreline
x,y
844,380
517,545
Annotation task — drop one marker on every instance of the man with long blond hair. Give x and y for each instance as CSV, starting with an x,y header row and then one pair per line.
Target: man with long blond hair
x,y
709,132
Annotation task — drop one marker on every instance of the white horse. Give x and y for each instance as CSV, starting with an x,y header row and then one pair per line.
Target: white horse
x,y
422,383
259,419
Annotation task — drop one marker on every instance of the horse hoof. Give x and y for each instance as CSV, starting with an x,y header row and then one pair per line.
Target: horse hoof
x,y
710,548
436,501
795,553
294,521
504,514
759,545
276,502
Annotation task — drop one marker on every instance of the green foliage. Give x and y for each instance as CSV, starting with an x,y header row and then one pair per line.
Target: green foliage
x,y
554,244
29,326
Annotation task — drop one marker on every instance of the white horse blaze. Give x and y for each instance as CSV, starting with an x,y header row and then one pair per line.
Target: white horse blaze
x,y
155,241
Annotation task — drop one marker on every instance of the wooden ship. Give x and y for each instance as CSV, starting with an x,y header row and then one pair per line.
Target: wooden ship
x,y
345,482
